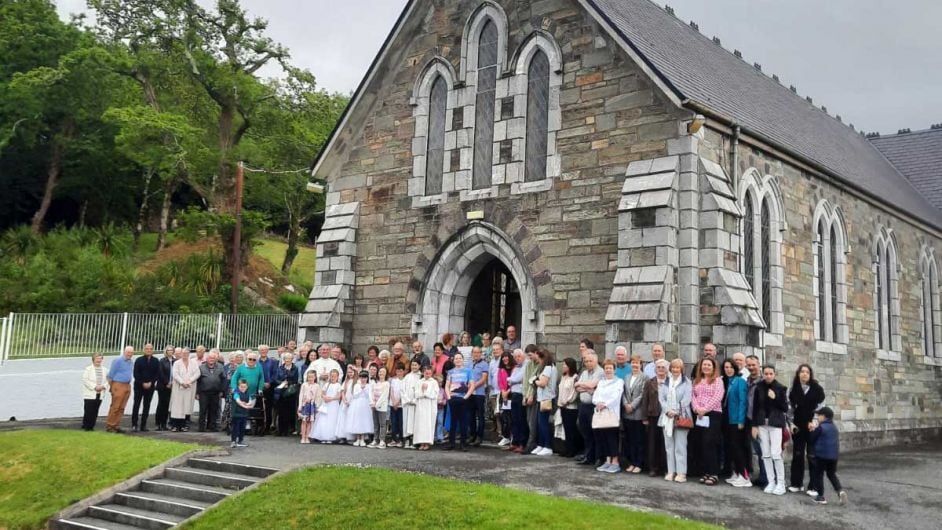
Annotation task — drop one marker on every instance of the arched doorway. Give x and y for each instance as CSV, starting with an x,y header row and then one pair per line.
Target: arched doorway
x,y
493,300
461,287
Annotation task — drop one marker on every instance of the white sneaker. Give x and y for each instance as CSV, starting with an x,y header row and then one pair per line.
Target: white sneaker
x,y
602,467
381,445
669,477
770,488
779,489
742,483
545,452
504,442
536,451
793,489
373,445
812,493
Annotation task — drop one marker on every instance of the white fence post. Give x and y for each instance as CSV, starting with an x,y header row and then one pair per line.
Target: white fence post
x,y
219,331
124,333
3,339
5,352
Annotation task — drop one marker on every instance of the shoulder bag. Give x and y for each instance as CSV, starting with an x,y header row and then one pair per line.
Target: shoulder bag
x,y
605,419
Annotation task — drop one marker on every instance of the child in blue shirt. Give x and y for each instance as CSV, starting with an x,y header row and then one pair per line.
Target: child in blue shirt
x,y
242,403
826,442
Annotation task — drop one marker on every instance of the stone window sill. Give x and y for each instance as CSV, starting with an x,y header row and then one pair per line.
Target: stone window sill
x,y
930,361
518,188
483,193
885,355
823,346
421,201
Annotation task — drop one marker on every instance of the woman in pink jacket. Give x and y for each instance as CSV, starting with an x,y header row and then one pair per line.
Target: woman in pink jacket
x,y
707,405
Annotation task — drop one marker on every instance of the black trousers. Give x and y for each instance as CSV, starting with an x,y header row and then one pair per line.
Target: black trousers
x,y
800,451
140,394
735,442
710,441
459,420
606,442
91,413
632,447
476,407
163,407
287,414
657,455
585,427
571,428
209,410
818,469
518,420
694,466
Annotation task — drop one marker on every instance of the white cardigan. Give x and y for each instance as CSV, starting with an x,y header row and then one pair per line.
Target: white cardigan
x,y
381,404
88,381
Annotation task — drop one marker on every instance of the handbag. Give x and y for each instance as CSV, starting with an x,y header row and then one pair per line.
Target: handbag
x,y
683,422
605,419
546,405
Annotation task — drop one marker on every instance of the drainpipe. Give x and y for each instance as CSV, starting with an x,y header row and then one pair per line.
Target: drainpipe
x,y
734,161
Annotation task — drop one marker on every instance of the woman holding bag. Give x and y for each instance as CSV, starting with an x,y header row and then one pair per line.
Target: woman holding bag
x,y
606,419
674,397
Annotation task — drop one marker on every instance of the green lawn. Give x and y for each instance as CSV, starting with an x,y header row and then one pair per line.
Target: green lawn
x,y
44,471
302,271
350,497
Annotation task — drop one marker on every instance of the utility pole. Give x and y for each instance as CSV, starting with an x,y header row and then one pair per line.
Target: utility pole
x,y
237,243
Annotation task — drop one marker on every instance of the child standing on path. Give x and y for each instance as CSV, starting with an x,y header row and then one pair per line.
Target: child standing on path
x,y
307,405
242,403
826,442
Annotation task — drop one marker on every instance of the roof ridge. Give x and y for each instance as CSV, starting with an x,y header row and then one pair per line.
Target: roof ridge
x,y
935,128
757,67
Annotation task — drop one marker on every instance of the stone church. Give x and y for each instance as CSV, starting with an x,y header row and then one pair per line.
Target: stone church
x,y
599,168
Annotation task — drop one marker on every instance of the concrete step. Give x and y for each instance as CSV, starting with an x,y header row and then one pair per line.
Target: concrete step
x,y
185,490
135,516
231,467
160,503
193,475
89,523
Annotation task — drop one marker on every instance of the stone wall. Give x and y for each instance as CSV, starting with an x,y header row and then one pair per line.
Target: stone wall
x,y
867,393
611,115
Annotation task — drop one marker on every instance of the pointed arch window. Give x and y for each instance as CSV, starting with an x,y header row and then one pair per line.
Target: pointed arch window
x,y
435,157
485,105
765,221
830,284
821,280
887,338
538,79
761,245
930,305
748,243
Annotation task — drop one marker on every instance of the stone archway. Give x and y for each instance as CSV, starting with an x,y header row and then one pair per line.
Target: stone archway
x,y
443,296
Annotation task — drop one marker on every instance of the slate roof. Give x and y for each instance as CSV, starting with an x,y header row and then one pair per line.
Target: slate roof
x,y
918,156
707,75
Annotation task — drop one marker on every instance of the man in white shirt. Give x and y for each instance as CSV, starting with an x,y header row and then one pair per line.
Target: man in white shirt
x,y
324,365
657,352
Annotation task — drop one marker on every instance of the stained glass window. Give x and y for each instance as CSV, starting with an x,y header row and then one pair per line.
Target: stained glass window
x,y
484,106
435,155
881,326
891,328
766,257
822,286
834,282
537,116
748,241
928,317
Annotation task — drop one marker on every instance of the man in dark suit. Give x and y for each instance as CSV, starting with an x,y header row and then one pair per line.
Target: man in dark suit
x,y
146,375
164,383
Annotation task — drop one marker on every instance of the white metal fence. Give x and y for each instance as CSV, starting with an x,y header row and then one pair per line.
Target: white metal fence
x,y
37,335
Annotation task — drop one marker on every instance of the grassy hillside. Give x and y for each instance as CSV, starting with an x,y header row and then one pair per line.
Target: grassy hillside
x,y
302,272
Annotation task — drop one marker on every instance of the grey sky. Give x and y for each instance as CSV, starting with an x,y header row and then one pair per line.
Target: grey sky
x,y
876,63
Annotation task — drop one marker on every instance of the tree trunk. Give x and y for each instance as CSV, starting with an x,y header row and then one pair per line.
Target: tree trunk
x,y
165,213
223,197
83,211
142,212
294,230
52,175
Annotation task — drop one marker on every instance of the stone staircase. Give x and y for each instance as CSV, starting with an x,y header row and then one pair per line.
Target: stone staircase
x,y
165,502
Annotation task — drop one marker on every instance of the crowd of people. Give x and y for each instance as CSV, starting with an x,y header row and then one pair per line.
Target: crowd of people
x,y
617,415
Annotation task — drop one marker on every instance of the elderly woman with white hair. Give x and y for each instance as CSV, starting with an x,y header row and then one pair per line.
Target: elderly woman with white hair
x,y
94,386
651,411
235,360
286,389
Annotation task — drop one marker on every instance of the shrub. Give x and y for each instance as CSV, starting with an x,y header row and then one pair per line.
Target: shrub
x,y
292,302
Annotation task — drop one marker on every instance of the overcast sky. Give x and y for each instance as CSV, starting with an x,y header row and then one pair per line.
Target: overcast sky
x,y
876,63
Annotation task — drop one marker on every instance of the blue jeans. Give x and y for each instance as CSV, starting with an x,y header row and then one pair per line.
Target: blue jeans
x,y
545,432
395,419
238,430
440,425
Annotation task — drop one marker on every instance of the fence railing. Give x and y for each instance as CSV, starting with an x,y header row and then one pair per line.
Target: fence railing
x,y
38,335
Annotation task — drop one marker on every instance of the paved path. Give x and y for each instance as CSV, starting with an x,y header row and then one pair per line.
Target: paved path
x,y
898,488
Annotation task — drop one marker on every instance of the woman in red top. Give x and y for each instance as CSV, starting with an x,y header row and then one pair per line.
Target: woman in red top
x,y
707,404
